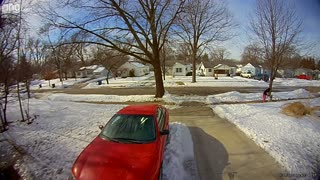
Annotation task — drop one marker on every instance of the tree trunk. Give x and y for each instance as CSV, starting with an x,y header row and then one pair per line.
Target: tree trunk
x,y
108,77
20,103
194,57
5,105
158,78
3,124
272,74
164,71
27,84
164,64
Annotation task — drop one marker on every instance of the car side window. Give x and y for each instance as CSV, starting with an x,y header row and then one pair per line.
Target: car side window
x,y
161,117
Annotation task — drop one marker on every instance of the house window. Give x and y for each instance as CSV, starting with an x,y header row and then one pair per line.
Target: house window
x,y
210,70
178,70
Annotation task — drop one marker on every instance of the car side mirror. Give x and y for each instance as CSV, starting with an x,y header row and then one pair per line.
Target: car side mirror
x,y
164,132
100,127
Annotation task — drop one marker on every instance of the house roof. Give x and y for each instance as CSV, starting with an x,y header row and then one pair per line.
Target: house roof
x,y
248,65
222,66
92,67
137,64
99,69
208,64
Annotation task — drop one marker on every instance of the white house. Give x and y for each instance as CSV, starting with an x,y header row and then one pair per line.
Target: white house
x,y
205,69
222,70
138,69
100,71
239,68
249,68
179,69
86,71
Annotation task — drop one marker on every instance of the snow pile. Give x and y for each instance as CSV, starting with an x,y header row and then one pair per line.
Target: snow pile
x,y
168,98
232,96
212,82
296,82
173,99
62,130
235,96
296,94
179,162
101,98
293,142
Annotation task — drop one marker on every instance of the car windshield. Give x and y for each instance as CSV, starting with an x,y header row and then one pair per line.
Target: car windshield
x,y
130,129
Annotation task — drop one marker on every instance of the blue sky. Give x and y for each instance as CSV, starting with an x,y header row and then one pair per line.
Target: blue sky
x,y
308,10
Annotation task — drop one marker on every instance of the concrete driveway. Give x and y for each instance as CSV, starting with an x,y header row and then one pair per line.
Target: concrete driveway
x,y
221,150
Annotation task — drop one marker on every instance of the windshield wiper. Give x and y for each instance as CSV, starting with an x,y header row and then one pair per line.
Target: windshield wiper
x,y
109,138
127,140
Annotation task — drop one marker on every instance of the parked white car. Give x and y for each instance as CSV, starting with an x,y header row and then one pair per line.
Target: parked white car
x,y
246,74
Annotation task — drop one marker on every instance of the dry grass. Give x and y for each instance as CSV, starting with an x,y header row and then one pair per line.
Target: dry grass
x,y
298,109
180,83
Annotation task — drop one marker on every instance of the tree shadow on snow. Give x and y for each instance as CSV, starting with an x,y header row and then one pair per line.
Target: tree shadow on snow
x,y
210,154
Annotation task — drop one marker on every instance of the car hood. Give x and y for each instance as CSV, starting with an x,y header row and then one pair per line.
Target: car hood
x,y
103,159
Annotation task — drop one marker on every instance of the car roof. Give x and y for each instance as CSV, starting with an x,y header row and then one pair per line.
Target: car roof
x,y
145,109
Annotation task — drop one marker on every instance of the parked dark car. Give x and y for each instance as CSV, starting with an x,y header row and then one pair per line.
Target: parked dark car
x,y
264,77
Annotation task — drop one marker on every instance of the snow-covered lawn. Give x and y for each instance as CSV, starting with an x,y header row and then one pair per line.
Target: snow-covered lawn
x,y
146,80
170,81
293,142
45,84
62,130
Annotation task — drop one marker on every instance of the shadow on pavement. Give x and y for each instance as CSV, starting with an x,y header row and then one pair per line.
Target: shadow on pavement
x,y
212,165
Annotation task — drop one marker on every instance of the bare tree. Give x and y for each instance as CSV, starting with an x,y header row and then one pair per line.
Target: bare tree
x,y
110,59
203,23
183,52
166,55
277,28
252,53
7,80
36,52
8,44
136,28
220,54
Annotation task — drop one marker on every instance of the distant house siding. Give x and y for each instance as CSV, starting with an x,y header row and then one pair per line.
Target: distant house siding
x,y
249,68
138,71
179,69
209,72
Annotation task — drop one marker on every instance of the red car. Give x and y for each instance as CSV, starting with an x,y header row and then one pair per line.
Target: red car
x,y
130,146
303,76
